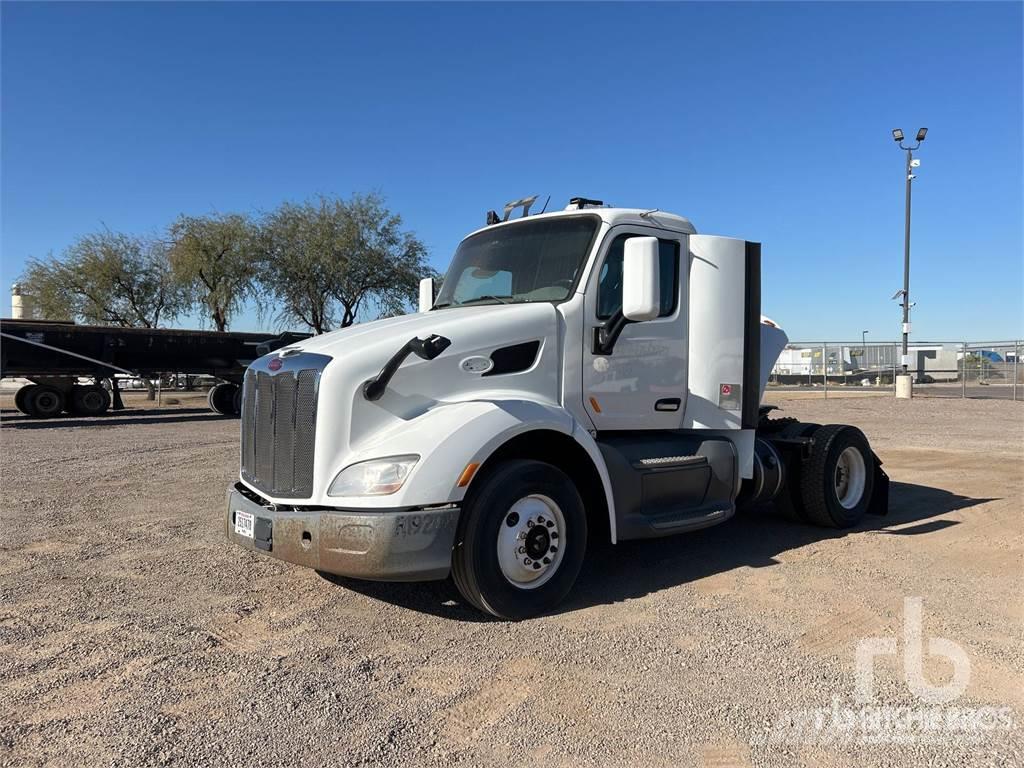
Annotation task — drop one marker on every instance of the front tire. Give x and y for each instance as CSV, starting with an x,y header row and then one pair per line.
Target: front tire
x,y
521,540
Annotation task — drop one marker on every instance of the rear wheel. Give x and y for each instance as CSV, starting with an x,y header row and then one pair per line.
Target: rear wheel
x,y
521,540
91,400
44,401
837,479
221,398
789,502
21,396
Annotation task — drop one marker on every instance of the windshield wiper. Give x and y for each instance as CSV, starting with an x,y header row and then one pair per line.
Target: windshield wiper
x,y
490,297
485,297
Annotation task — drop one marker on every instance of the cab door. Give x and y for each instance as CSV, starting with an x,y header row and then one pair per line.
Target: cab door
x,y
642,383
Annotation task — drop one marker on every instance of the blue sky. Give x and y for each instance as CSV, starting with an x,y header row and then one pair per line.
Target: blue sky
x,y
764,121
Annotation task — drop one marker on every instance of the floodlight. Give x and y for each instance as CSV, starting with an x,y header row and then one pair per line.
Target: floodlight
x,y
897,134
921,134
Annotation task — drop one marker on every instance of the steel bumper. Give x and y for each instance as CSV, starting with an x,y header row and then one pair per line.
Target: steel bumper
x,y
385,545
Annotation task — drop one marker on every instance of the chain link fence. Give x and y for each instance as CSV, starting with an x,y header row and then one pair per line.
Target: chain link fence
x,y
939,369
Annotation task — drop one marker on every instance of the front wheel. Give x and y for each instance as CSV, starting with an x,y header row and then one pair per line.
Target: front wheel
x,y
521,540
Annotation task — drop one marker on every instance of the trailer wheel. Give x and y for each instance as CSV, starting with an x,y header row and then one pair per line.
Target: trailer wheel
x,y
20,398
789,502
44,401
92,400
837,479
521,540
221,398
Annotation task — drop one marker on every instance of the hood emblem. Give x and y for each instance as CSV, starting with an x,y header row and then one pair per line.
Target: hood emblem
x,y
275,364
476,364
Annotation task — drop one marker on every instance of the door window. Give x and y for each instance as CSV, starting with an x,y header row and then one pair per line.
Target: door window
x,y
609,289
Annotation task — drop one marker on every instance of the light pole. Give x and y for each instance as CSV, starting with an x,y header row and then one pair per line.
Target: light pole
x,y
863,350
897,135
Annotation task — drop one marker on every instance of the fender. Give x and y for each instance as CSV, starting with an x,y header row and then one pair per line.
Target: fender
x,y
450,436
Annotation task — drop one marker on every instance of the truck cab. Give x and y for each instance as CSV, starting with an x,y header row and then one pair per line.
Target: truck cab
x,y
590,373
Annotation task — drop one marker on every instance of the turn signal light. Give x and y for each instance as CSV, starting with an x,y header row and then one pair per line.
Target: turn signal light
x,y
467,474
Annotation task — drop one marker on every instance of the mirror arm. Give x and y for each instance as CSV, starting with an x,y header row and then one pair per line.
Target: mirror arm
x,y
606,335
426,349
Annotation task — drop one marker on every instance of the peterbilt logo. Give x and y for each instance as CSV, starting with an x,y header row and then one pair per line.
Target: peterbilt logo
x,y
477,364
275,364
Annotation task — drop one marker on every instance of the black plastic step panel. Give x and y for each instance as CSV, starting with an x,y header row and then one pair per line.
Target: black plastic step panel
x,y
669,482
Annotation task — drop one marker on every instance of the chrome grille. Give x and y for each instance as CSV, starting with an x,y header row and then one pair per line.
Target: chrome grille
x,y
279,430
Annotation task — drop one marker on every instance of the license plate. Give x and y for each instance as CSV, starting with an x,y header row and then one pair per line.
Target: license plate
x,y
245,523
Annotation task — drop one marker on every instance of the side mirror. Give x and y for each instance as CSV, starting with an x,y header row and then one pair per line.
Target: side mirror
x,y
641,291
426,294
641,279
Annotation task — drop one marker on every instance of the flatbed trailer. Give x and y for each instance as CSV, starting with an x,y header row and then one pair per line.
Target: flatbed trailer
x,y
53,355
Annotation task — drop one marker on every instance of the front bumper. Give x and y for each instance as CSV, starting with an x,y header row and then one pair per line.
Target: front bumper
x,y
385,545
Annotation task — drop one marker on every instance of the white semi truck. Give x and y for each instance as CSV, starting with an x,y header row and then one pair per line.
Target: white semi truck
x,y
590,373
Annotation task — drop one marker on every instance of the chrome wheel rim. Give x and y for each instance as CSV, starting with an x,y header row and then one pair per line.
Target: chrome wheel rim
x,y
850,477
531,541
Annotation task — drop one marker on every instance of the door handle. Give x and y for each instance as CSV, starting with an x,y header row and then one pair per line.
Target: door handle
x,y
667,404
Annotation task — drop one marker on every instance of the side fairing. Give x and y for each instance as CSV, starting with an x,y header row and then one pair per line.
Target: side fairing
x,y
773,341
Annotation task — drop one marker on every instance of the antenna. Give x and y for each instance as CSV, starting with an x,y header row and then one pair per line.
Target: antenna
x,y
545,205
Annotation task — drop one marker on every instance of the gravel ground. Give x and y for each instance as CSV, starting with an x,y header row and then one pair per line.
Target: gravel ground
x,y
132,634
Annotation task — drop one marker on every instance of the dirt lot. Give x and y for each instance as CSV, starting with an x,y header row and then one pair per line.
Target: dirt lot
x,y
132,634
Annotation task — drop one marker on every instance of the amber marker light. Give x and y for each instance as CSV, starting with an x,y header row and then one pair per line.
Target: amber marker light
x,y
467,474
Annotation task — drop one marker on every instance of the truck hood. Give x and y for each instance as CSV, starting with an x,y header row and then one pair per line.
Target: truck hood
x,y
349,425
470,329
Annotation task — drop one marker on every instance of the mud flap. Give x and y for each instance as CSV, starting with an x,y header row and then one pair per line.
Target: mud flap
x,y
115,396
879,504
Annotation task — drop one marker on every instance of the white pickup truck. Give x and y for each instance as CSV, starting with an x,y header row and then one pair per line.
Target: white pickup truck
x,y
592,372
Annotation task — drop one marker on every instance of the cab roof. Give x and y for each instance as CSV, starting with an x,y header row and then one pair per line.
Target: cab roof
x,y
645,217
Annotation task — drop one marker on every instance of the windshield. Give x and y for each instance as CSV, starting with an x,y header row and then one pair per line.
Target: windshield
x,y
531,261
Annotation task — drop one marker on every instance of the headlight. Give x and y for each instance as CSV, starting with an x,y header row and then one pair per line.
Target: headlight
x,y
377,477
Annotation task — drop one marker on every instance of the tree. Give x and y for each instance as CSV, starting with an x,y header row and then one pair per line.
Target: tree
x,y
214,257
385,265
331,261
295,267
107,278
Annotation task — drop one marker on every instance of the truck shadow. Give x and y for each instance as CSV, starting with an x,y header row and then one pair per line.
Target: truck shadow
x,y
636,568
18,420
